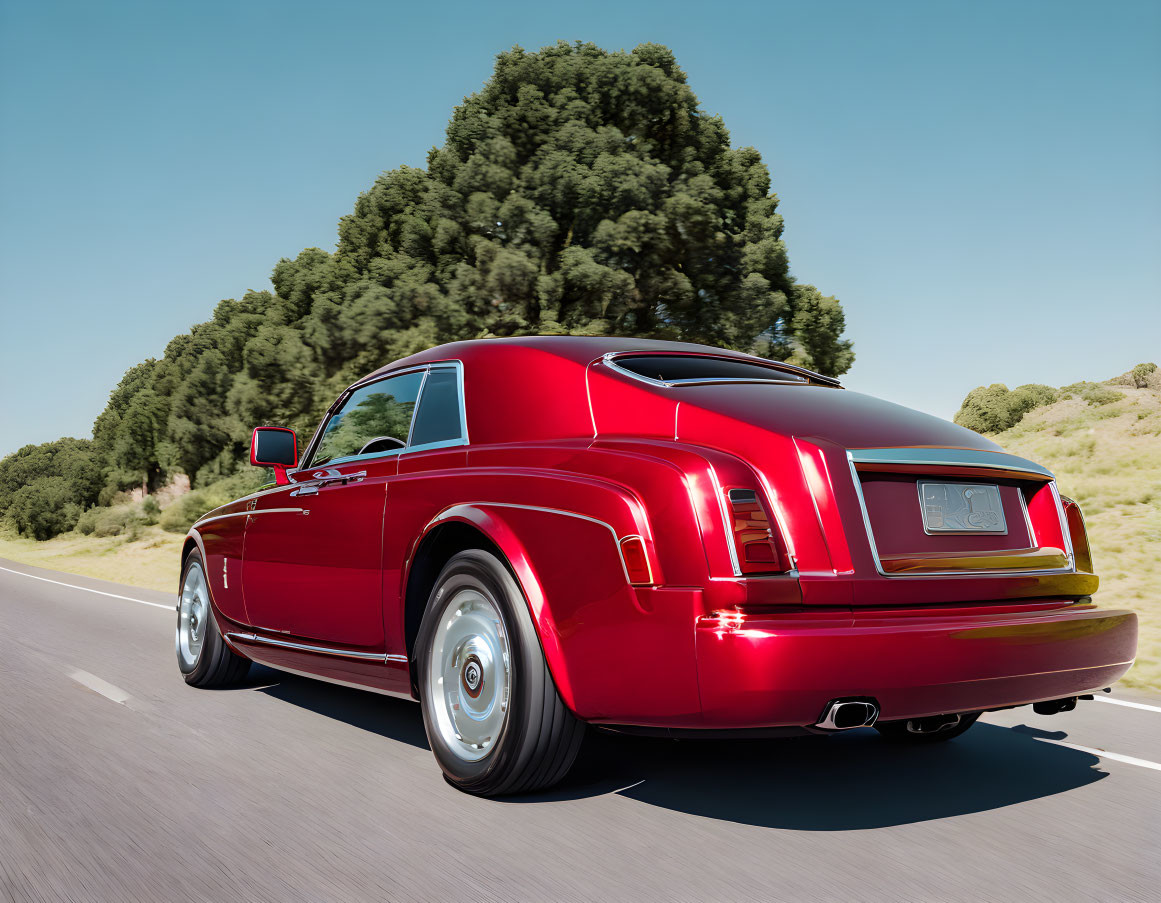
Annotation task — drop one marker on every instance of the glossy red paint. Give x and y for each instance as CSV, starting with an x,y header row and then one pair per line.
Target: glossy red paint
x,y
588,479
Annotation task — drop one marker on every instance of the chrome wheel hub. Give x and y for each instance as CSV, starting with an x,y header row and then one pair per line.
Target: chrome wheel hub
x,y
470,675
192,618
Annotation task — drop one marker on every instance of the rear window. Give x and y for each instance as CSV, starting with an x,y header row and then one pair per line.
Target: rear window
x,y
670,368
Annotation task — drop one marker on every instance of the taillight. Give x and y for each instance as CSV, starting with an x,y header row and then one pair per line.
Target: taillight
x,y
756,548
636,561
1079,535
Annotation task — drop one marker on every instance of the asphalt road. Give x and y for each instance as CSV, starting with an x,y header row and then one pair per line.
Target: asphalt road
x,y
119,782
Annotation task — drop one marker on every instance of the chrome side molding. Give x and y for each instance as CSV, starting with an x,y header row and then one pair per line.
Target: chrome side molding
x,y
318,650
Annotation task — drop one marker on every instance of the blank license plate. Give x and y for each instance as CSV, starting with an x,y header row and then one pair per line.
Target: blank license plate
x,y
961,508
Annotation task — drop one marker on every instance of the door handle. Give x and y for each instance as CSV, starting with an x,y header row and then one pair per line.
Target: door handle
x,y
305,490
345,479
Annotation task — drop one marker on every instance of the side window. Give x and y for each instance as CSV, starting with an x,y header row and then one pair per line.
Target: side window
x,y
439,418
375,419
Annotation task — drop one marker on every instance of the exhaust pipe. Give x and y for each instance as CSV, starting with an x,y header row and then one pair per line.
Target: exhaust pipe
x,y
846,714
1055,706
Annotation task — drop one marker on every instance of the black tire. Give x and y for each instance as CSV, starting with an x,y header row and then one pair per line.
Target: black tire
x,y
897,732
215,665
540,737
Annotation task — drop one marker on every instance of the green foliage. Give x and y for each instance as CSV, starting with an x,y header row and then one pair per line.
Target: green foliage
x,y
993,409
579,191
45,507
1100,395
70,459
1141,373
150,511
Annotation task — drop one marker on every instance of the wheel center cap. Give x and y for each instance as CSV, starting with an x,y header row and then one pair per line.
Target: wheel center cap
x,y
473,676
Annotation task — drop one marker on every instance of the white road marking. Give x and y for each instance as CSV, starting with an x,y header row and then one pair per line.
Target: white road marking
x,y
103,687
1104,754
1132,705
99,592
630,787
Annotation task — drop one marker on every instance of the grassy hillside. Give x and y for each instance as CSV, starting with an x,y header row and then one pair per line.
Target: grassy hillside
x,y
1107,456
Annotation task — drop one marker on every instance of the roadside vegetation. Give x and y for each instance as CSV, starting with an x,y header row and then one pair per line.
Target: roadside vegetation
x,y
1103,442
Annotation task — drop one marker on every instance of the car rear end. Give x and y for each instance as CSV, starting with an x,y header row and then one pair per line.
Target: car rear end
x,y
933,573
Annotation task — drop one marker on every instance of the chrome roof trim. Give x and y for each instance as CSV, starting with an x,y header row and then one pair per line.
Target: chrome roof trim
x,y
792,376
948,457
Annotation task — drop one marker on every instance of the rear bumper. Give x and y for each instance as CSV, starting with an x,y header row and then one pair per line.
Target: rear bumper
x,y
781,670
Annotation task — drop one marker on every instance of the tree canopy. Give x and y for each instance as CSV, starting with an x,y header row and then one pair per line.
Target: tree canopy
x,y
578,192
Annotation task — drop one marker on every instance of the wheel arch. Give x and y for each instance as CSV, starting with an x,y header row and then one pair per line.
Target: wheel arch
x,y
469,526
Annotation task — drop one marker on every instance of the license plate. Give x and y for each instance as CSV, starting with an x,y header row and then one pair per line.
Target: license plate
x,y
961,508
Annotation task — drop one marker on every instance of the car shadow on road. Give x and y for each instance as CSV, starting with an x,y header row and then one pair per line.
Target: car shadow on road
x,y
395,719
847,782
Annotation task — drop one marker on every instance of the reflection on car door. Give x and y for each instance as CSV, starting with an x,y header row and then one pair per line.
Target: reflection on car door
x,y
313,557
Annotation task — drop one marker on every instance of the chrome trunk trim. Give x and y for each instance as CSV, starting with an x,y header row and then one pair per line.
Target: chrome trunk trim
x,y
948,457
852,460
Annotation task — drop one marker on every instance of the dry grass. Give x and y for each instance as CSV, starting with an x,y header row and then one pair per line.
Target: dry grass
x,y
1108,458
150,561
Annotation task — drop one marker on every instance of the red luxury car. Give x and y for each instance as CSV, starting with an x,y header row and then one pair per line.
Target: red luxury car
x,y
530,535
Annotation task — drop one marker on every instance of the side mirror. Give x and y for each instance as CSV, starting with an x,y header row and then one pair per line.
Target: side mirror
x,y
274,446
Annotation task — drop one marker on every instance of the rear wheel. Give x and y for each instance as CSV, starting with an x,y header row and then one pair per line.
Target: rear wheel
x,y
490,707
202,655
934,729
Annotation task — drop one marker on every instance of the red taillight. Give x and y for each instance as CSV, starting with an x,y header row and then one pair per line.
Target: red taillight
x,y
636,561
1078,534
753,534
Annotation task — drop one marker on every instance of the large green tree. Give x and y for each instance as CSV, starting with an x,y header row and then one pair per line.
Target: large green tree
x,y
579,192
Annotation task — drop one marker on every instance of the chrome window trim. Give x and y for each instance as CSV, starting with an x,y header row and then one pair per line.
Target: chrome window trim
x,y
1071,569
795,376
320,650
453,364
948,457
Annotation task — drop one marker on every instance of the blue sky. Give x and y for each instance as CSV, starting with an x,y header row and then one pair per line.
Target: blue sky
x,y
979,183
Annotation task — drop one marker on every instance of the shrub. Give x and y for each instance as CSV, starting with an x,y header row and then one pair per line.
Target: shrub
x,y
44,508
87,522
180,515
993,409
114,521
151,510
1097,395
1141,373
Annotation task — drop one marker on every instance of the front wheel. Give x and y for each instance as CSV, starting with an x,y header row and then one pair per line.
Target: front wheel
x,y
202,655
935,729
490,707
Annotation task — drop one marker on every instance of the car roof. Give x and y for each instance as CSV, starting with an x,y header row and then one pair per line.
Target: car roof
x,y
578,349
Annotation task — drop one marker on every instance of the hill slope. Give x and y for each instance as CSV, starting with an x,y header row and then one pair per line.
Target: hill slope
x,y
1108,457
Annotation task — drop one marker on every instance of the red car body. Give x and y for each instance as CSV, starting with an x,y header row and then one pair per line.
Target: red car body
x,y
704,553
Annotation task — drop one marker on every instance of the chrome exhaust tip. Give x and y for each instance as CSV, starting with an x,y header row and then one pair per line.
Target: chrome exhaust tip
x,y
847,714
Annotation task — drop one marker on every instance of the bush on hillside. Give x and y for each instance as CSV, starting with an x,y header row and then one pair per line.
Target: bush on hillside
x,y
1141,373
1099,395
995,408
44,508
